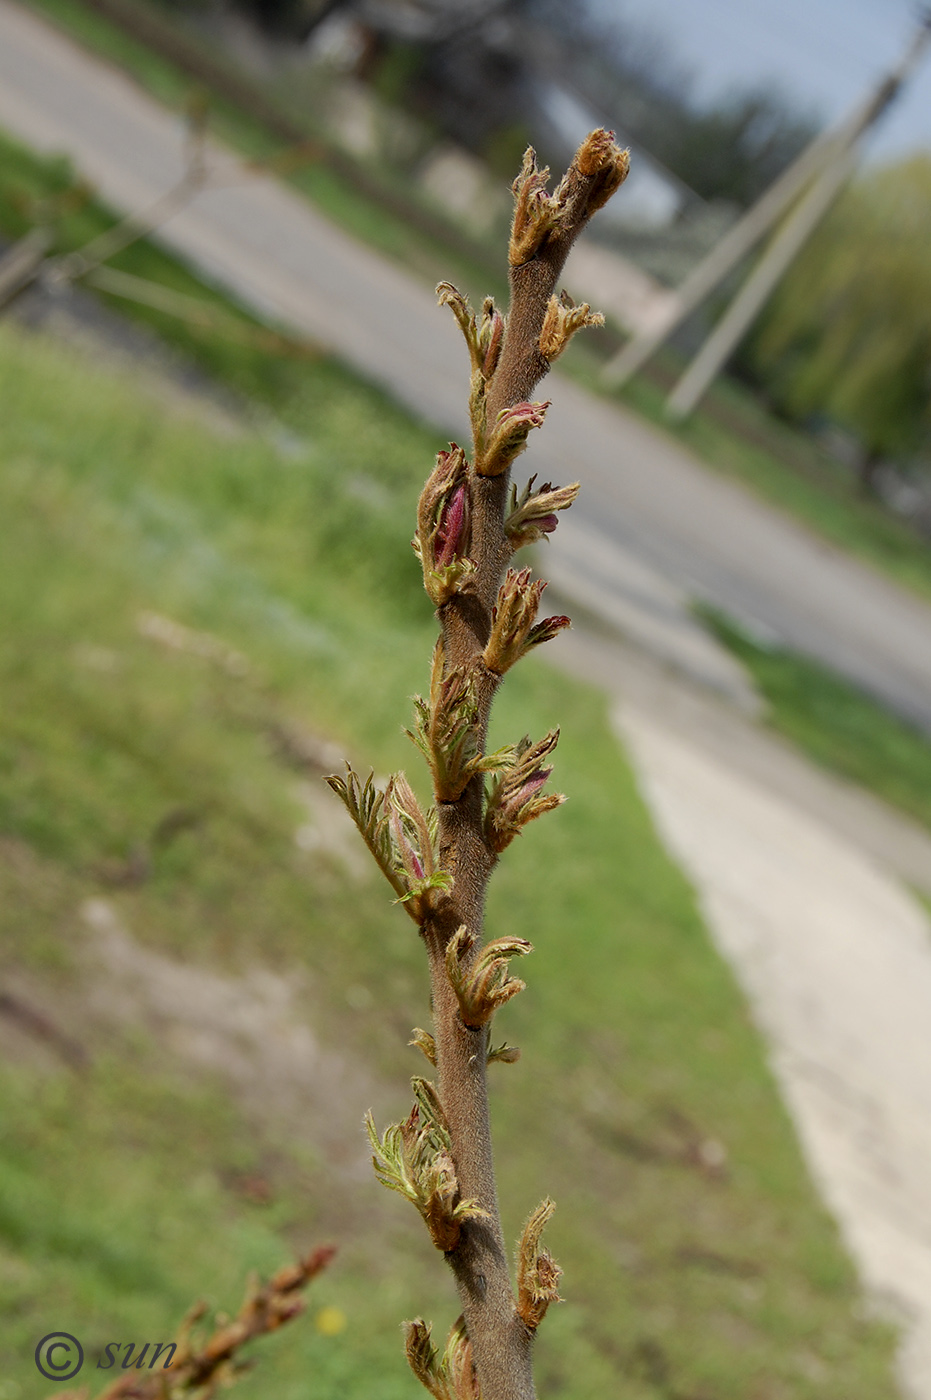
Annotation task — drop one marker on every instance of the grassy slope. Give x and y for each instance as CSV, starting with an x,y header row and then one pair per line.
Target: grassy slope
x,y
835,723
118,1184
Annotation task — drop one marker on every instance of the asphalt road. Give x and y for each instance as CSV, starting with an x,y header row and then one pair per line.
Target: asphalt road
x,y
653,526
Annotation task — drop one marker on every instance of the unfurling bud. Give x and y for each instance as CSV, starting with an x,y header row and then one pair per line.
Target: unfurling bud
x,y
483,338
414,1159
451,526
537,1271
516,796
448,295
424,1041
513,632
508,437
532,515
414,842
451,1377
446,734
563,318
490,337
503,1054
536,211
442,540
422,1355
367,806
400,837
486,984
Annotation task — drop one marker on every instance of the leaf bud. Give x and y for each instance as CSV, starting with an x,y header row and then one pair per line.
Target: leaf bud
x,y
532,514
509,437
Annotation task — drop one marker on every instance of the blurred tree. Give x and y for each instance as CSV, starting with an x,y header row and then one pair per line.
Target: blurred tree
x,y
848,333
734,150
729,150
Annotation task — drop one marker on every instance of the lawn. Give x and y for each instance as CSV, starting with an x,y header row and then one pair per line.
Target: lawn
x,y
834,722
180,906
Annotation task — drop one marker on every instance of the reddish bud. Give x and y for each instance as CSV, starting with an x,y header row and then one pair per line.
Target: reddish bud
x,y
547,629
449,530
532,514
495,336
509,436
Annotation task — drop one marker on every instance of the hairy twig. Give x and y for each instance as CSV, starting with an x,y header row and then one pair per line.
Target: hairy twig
x,y
470,523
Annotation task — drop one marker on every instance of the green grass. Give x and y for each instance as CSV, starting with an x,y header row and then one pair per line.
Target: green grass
x,y
121,1193
835,723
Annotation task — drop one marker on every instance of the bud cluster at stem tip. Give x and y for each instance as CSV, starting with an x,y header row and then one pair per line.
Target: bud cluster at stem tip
x,y
598,169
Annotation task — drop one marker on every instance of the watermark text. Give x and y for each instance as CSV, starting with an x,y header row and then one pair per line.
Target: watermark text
x,y
60,1356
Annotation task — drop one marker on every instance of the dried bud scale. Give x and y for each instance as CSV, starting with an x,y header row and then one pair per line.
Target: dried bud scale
x,y
538,1273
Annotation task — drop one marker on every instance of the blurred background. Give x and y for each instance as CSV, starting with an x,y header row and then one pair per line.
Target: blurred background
x,y
224,379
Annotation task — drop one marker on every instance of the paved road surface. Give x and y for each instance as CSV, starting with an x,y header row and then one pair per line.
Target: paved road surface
x,y
652,527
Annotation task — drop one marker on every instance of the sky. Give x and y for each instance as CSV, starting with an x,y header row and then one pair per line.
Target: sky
x,y
826,54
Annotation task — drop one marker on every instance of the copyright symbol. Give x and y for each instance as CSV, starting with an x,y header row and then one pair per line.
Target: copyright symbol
x,y
59,1356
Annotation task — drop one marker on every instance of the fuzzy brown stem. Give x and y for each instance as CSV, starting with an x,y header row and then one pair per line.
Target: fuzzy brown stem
x,y
501,1341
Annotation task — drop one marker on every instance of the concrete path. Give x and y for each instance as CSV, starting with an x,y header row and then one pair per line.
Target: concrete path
x,y
835,959
658,508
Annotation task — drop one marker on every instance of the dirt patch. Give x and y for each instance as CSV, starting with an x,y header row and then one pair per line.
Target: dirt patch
x,y
251,1031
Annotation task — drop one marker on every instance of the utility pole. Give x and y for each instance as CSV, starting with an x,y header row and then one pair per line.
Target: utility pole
x,y
823,165
743,310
